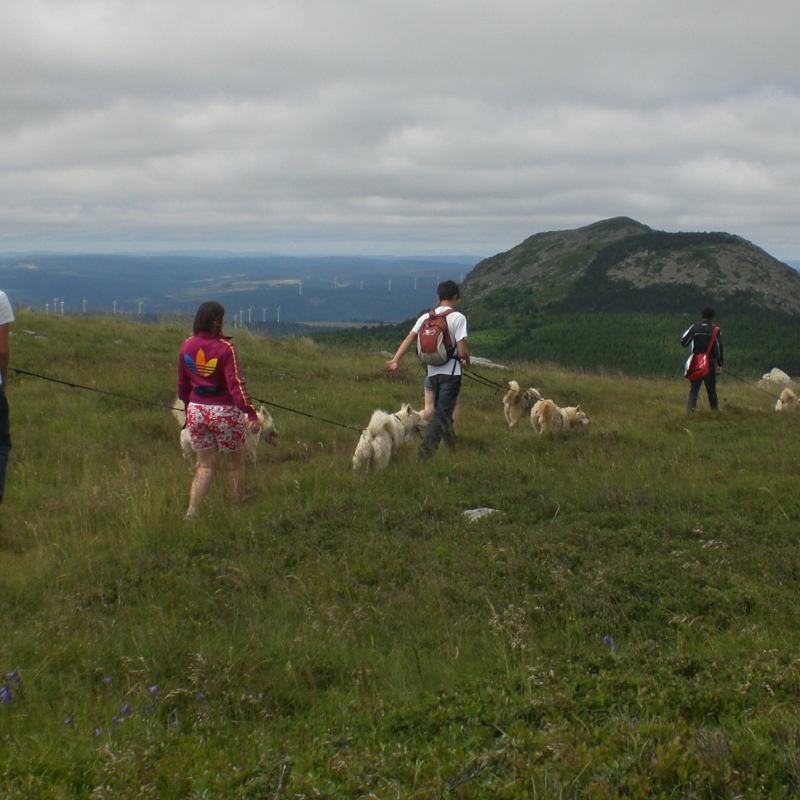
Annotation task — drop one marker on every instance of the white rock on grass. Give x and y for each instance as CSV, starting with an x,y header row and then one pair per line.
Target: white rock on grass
x,y
472,514
478,361
776,376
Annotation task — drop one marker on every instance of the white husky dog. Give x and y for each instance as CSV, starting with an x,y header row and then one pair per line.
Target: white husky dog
x,y
547,417
787,401
267,429
384,433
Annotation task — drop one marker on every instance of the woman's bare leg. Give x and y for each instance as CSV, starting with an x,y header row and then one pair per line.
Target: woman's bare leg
x,y
203,475
234,472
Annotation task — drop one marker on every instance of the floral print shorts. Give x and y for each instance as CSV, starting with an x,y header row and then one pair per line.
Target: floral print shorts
x,y
216,426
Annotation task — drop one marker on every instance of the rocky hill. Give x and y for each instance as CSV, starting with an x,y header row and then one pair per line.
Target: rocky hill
x,y
620,264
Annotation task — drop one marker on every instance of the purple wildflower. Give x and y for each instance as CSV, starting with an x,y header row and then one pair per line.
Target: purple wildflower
x,y
68,721
5,695
98,732
154,689
609,642
116,720
126,709
107,681
15,677
148,709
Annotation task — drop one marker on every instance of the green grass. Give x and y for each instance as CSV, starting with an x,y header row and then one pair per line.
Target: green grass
x,y
351,635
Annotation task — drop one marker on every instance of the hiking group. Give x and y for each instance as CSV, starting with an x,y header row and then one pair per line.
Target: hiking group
x,y
219,410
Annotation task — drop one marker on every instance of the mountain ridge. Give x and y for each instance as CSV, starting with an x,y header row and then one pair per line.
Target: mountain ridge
x,y
603,266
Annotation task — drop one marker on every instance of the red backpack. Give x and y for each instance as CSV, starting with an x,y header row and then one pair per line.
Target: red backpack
x,y
434,344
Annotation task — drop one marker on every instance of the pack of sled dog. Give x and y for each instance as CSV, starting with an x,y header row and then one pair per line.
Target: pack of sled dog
x,y
386,432
545,415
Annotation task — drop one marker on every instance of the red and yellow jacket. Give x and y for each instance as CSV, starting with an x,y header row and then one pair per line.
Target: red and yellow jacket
x,y
209,373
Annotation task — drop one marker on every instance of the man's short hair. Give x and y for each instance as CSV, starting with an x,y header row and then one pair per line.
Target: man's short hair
x,y
707,313
448,290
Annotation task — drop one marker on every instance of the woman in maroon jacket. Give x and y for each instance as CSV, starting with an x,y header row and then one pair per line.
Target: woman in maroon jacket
x,y
218,407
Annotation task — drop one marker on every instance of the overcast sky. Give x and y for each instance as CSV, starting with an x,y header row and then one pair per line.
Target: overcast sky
x,y
394,126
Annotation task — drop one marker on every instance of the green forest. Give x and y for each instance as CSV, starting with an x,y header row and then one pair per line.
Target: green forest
x,y
638,344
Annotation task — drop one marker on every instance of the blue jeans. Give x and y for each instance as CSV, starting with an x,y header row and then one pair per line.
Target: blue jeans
x,y
5,441
710,381
445,390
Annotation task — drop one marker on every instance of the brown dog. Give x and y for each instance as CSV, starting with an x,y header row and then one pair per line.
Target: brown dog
x,y
517,403
547,417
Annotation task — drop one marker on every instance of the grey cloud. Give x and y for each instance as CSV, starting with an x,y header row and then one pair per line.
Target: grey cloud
x,y
362,126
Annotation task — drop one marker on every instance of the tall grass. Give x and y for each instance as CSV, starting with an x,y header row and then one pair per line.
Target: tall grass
x,y
624,624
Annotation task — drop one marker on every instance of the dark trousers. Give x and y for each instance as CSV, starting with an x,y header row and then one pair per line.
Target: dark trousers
x,y
5,441
710,381
445,390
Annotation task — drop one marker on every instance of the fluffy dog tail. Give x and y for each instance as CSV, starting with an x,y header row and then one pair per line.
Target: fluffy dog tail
x,y
364,453
179,412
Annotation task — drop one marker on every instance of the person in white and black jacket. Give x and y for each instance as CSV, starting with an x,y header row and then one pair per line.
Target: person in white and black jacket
x,y
699,337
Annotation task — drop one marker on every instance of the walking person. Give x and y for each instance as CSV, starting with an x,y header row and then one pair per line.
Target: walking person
x,y
6,318
699,337
444,380
218,406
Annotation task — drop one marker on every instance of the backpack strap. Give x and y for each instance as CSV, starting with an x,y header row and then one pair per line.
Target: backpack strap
x,y
713,339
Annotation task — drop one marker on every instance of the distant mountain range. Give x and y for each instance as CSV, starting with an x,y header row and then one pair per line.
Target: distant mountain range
x,y
268,288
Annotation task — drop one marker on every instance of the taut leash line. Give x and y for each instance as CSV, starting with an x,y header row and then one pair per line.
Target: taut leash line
x,y
751,385
89,388
483,380
72,385
304,414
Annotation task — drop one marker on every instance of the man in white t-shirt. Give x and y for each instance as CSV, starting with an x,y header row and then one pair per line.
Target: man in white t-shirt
x,y
6,318
445,380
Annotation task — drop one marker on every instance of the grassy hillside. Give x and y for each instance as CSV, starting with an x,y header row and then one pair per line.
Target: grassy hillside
x,y
626,624
637,344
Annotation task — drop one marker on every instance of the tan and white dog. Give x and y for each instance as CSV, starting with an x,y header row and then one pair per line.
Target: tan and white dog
x,y
267,431
517,403
547,417
384,433
787,401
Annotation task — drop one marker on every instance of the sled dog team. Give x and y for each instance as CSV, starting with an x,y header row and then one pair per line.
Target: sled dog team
x,y
545,415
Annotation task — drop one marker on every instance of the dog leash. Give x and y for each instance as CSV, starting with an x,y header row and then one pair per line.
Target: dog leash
x,y
90,389
304,414
751,385
72,385
483,380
